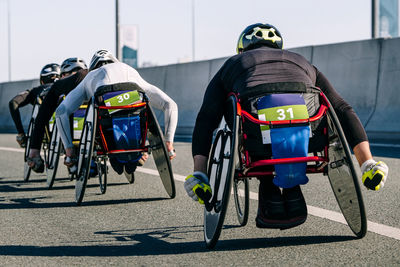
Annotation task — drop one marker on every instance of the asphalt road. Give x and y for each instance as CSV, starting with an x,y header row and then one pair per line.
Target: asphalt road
x,y
137,224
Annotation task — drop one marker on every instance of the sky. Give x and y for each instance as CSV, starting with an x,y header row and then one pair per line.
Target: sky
x,y
45,31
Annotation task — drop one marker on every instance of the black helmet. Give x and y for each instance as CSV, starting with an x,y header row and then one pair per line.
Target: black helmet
x,y
49,73
259,34
72,64
101,56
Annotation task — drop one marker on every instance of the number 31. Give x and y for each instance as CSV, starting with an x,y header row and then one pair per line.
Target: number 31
x,y
282,114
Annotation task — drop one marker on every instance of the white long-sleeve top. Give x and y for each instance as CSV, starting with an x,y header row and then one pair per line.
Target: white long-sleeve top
x,y
111,74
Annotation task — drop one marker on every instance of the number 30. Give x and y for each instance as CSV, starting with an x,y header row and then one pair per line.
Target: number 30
x,y
122,97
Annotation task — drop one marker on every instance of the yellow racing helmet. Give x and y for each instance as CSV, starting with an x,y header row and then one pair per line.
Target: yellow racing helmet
x,y
259,34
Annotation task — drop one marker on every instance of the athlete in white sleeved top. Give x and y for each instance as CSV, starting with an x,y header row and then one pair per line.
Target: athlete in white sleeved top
x,y
101,72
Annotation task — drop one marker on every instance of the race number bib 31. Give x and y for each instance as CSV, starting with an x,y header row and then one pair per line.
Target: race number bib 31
x,y
280,107
289,141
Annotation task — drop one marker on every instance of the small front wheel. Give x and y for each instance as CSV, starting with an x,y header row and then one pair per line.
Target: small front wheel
x,y
241,195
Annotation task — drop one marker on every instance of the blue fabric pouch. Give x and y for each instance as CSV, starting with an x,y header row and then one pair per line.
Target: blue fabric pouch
x,y
286,142
127,135
289,143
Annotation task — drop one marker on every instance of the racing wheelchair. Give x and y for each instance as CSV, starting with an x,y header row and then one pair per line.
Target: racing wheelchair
x,y
120,123
231,162
55,148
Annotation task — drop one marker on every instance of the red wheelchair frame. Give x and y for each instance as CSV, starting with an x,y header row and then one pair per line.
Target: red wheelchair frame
x,y
104,148
230,162
247,165
95,145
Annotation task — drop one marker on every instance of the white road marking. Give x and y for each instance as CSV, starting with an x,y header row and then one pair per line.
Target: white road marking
x,y
377,228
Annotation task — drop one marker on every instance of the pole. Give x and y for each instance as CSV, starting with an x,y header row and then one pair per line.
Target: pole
x,y
117,28
193,31
9,41
375,19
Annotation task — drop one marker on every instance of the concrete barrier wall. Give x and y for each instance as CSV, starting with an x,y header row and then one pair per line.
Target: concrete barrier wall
x,y
365,73
352,68
385,122
7,92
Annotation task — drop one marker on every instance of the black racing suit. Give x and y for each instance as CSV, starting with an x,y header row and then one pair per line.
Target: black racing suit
x,y
49,104
252,68
22,99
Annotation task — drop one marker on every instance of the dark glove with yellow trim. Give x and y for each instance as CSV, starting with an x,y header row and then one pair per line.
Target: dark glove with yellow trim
x,y
197,187
374,174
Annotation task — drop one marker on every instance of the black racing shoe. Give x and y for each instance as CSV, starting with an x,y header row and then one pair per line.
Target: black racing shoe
x,y
271,206
116,165
295,205
130,167
129,176
129,171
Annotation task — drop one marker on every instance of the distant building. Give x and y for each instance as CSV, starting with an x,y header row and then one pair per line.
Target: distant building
x,y
129,44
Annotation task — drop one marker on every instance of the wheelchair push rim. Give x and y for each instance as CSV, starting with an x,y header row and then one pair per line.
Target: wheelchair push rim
x,y
221,170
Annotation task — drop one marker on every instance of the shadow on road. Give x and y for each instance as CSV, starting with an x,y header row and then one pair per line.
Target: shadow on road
x,y
17,187
24,203
161,241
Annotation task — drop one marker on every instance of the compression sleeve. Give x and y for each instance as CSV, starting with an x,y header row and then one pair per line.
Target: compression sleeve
x,y
161,101
70,104
348,118
209,116
15,103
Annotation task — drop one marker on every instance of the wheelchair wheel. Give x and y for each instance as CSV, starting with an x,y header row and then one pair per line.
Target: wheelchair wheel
x,y
160,154
102,170
27,169
242,199
53,157
221,169
85,152
343,178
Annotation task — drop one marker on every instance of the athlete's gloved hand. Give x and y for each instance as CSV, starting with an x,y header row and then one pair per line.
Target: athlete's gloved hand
x,y
197,187
374,174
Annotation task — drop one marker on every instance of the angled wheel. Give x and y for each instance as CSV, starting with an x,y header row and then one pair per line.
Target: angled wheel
x,y
221,170
27,169
160,154
102,170
242,199
343,178
85,152
53,157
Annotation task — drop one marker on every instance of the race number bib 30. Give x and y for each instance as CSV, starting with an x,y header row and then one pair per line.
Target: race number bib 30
x,y
121,98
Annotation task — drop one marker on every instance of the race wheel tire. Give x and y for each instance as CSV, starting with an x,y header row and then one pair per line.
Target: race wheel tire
x,y
242,199
85,152
53,157
343,178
